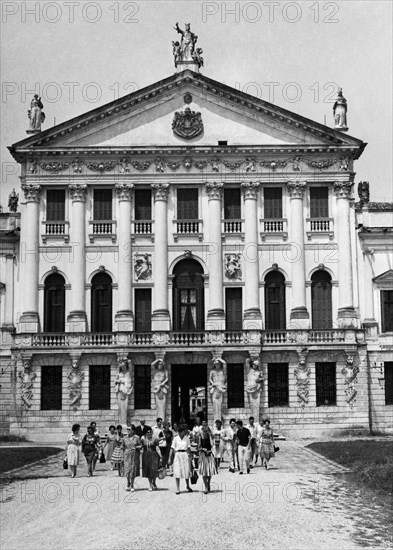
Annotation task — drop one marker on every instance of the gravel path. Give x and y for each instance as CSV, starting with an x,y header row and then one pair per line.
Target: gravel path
x,y
304,502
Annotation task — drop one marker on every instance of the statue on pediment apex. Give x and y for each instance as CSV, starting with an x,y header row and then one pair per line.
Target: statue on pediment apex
x,y
185,51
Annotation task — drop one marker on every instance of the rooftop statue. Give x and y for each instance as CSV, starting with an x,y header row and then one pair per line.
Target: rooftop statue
x,y
185,51
36,115
340,109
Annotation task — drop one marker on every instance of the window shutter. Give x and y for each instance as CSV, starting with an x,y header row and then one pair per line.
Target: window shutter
x,y
54,304
99,387
51,387
143,310
143,204
321,300
272,202
232,209
388,370
387,310
187,204
55,205
234,309
101,307
103,204
319,202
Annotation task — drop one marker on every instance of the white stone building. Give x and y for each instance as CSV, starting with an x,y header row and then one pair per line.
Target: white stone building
x,y
184,222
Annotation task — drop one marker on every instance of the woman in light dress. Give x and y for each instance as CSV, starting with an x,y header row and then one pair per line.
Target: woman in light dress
x,y
207,465
267,444
74,443
180,457
218,447
131,446
110,445
117,455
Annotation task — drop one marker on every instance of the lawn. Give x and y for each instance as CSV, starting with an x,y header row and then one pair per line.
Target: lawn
x,y
371,461
11,458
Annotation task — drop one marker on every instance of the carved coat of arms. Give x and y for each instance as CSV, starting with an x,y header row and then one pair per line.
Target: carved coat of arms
x,y
187,124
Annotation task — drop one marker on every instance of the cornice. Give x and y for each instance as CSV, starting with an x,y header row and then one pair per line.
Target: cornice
x,y
374,207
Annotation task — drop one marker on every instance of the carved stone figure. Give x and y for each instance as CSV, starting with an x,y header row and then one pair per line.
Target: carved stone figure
x,y
13,199
350,372
232,266
160,387
344,167
35,114
187,124
197,57
340,109
364,192
302,373
123,384
296,164
33,166
250,164
27,377
160,165
186,48
217,386
77,166
124,166
142,267
75,377
215,164
254,386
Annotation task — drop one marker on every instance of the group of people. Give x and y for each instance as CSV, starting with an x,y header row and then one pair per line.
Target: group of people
x,y
175,450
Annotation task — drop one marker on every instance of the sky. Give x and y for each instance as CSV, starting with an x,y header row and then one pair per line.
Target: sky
x,y
79,55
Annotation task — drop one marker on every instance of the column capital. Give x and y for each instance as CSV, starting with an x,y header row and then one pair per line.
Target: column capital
x,y
32,192
250,189
342,189
78,192
214,189
124,191
296,188
160,191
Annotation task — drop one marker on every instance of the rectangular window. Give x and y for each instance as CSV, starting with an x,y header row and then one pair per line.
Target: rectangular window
x,y
103,204
387,310
143,310
232,210
55,205
233,309
278,388
143,204
388,369
325,384
51,387
272,199
235,379
187,204
99,387
142,386
319,202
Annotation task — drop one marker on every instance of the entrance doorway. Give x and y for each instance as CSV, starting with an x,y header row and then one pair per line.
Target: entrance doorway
x,y
189,393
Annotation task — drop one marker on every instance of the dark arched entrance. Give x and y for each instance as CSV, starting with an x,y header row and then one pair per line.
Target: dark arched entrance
x,y
321,300
54,303
188,296
101,303
275,301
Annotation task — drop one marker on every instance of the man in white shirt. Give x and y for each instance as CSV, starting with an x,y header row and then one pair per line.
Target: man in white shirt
x,y
254,429
229,437
158,431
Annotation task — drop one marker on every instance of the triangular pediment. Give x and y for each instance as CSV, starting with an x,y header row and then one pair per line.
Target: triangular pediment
x,y
144,118
385,278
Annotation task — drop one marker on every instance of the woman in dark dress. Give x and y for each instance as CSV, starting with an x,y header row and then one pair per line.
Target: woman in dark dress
x,y
90,446
207,465
131,446
151,458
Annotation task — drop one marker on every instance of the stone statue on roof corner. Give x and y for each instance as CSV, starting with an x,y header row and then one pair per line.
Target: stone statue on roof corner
x,y
36,115
340,109
185,50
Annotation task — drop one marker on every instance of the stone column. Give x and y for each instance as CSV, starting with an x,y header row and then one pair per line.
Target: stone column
x,y
76,320
299,314
29,320
252,312
124,319
215,315
346,312
160,316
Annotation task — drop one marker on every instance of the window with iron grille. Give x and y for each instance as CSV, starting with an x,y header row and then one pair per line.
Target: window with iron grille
x,y
319,202
143,204
51,387
235,379
232,209
325,384
99,387
272,198
278,388
55,205
142,379
387,310
187,204
103,204
388,369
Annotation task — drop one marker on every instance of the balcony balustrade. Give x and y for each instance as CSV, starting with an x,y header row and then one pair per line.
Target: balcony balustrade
x,y
143,227
233,226
55,230
320,226
175,339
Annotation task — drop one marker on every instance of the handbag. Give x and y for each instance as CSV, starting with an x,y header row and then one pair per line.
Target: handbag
x,y
65,464
194,477
161,473
102,458
276,449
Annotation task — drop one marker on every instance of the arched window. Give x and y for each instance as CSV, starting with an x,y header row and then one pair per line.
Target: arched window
x,y
321,300
275,301
101,303
54,303
188,296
